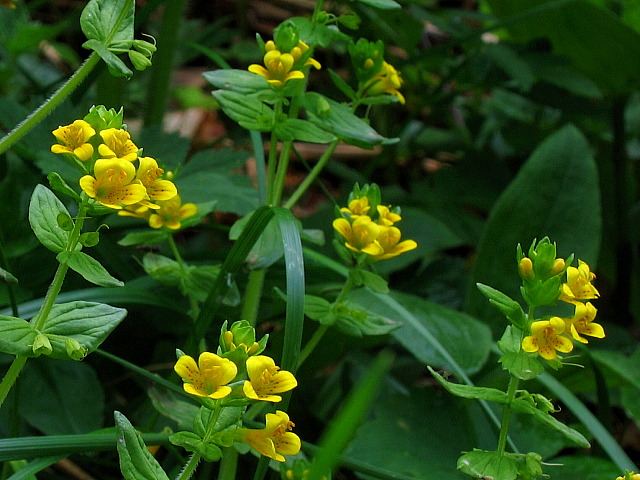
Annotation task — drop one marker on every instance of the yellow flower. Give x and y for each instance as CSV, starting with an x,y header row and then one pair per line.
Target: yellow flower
x,y
275,440
74,138
388,80
578,286
357,206
630,476
137,210
546,338
386,216
117,144
114,184
360,235
299,50
279,68
265,379
582,323
389,240
209,377
171,212
157,189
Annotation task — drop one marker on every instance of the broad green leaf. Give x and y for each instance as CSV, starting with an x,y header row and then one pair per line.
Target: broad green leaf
x,y
59,185
44,209
522,365
558,198
267,250
87,323
173,406
16,336
621,365
136,463
110,22
371,280
467,341
356,320
485,464
303,130
61,397
317,308
583,467
241,81
249,112
603,55
89,268
339,120
400,436
151,237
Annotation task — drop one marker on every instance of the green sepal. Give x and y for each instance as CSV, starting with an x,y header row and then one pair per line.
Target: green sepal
x,y
192,442
136,463
89,239
89,268
372,281
101,119
58,184
509,307
318,33
116,67
44,209
247,111
41,345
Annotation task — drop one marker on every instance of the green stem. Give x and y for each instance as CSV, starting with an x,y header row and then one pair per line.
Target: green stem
x,y
313,174
32,120
281,173
158,89
312,343
11,376
506,415
228,464
193,303
190,467
252,296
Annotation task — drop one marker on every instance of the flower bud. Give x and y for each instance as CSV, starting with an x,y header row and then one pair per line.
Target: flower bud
x,y
558,266
526,268
140,61
42,345
74,349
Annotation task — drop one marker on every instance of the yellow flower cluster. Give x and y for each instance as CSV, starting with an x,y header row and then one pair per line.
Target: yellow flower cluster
x,y
283,66
630,476
115,182
379,239
217,377
554,335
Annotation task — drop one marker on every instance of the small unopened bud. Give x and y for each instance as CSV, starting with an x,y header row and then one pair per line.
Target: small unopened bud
x,y
526,268
140,61
253,348
368,63
74,349
42,345
228,340
558,266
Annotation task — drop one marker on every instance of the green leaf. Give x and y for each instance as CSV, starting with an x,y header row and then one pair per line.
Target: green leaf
x,y
109,22
343,86
192,442
381,4
317,308
59,185
7,277
267,250
372,281
525,406
509,307
116,66
356,320
240,81
74,400
339,120
136,463
87,323
486,464
522,365
152,237
559,199
16,336
44,209
621,365
467,342
303,130
249,112
469,391
89,268
173,406
564,23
